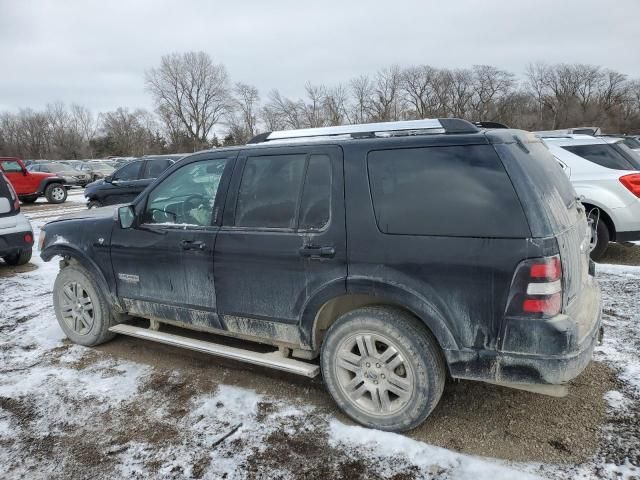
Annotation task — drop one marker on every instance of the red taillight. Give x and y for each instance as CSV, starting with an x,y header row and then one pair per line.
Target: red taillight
x,y
28,238
548,306
547,269
632,183
536,289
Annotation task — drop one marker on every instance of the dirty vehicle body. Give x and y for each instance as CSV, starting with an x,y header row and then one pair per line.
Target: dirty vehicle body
x,y
31,185
16,235
398,253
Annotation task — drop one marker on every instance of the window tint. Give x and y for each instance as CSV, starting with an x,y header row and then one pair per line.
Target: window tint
x,y
269,191
130,171
446,191
316,196
11,166
601,154
187,196
155,167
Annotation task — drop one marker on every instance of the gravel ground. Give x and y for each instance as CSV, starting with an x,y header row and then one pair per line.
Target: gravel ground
x,y
136,409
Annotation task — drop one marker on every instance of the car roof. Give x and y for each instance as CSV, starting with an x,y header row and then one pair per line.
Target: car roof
x,y
579,139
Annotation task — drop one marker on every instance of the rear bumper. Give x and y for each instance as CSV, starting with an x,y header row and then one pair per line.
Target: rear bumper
x,y
552,351
14,242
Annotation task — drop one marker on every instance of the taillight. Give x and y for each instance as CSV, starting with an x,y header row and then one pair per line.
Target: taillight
x,y
632,183
536,289
28,238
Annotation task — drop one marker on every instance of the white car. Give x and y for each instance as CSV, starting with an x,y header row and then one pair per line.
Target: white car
x,y
16,235
606,176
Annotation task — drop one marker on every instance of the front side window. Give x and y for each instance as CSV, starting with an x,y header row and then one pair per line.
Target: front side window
x,y
11,166
270,191
187,196
130,171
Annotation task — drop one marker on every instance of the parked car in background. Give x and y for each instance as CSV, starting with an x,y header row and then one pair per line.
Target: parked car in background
x,y
127,182
605,173
16,235
632,142
31,185
71,176
398,253
97,169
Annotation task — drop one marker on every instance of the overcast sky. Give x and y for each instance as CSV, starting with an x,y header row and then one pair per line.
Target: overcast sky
x,y
95,52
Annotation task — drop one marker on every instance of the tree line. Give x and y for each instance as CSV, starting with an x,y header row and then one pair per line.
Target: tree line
x,y
197,106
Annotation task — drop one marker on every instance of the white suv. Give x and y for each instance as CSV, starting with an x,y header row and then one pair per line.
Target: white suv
x,y
16,235
606,175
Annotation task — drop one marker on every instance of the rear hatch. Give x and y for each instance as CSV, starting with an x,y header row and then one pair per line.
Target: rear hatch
x,y
551,205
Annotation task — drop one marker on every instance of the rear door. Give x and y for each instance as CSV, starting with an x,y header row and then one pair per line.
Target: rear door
x,y
283,235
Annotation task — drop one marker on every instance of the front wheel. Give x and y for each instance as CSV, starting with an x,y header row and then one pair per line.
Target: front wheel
x,y
94,204
383,368
19,258
81,310
55,193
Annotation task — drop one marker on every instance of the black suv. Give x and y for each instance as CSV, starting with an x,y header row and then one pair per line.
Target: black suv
x,y
397,253
127,182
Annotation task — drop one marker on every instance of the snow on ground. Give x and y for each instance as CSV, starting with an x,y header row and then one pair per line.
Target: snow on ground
x,y
71,412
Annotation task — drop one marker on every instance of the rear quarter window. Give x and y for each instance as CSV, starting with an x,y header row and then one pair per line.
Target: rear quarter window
x,y
459,191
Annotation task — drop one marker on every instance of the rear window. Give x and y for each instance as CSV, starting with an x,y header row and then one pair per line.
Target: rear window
x,y
459,191
605,155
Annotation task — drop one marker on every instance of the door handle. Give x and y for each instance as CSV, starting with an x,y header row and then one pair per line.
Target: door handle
x,y
313,251
192,245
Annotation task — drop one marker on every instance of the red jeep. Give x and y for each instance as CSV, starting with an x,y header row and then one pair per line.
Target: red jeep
x,y
31,185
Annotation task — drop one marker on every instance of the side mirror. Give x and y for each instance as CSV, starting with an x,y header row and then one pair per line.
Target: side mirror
x,y
5,205
108,178
126,216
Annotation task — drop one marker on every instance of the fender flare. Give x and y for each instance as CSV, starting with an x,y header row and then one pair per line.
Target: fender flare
x,y
422,308
68,251
45,182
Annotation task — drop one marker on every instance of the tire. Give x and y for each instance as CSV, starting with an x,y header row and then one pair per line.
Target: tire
x,y
20,258
415,357
94,204
85,322
602,240
29,199
55,193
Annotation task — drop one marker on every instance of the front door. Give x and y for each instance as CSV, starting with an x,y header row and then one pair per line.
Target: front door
x,y
23,183
126,184
283,235
163,265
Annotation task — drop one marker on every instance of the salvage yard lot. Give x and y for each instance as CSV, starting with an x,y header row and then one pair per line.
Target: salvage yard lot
x,y
134,409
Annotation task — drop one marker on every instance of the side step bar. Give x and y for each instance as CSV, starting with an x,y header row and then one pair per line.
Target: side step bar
x,y
271,359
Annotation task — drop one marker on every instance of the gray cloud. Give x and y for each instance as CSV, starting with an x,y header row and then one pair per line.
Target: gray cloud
x,y
95,52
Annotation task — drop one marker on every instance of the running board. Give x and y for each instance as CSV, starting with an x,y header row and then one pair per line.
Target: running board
x,y
271,359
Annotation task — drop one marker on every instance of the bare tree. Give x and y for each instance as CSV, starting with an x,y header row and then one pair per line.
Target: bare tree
x,y
193,89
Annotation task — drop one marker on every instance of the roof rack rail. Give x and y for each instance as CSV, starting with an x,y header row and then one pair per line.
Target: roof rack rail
x,y
482,124
369,130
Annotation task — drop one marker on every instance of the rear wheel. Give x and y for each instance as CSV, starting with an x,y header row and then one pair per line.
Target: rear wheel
x,y
55,193
19,258
81,310
602,239
383,368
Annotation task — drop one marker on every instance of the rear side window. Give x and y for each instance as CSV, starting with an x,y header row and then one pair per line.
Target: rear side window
x,y
155,167
270,191
130,171
604,155
444,191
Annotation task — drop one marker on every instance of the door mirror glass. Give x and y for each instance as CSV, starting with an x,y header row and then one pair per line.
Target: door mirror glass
x,y
126,216
108,179
5,205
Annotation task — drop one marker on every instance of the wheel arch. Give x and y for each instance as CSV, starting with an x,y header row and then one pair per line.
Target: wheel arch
x,y
45,182
604,216
326,306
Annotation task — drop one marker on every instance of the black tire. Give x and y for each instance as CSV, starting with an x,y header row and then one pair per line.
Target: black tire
x,y
20,258
90,329
94,204
55,193
602,240
421,365
29,199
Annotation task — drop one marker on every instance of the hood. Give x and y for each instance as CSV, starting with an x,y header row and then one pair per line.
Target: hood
x,y
102,212
42,174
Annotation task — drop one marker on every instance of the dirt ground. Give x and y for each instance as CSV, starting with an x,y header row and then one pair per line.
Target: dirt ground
x,y
472,418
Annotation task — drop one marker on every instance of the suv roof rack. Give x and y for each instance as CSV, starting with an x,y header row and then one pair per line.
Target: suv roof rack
x,y
370,130
483,124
